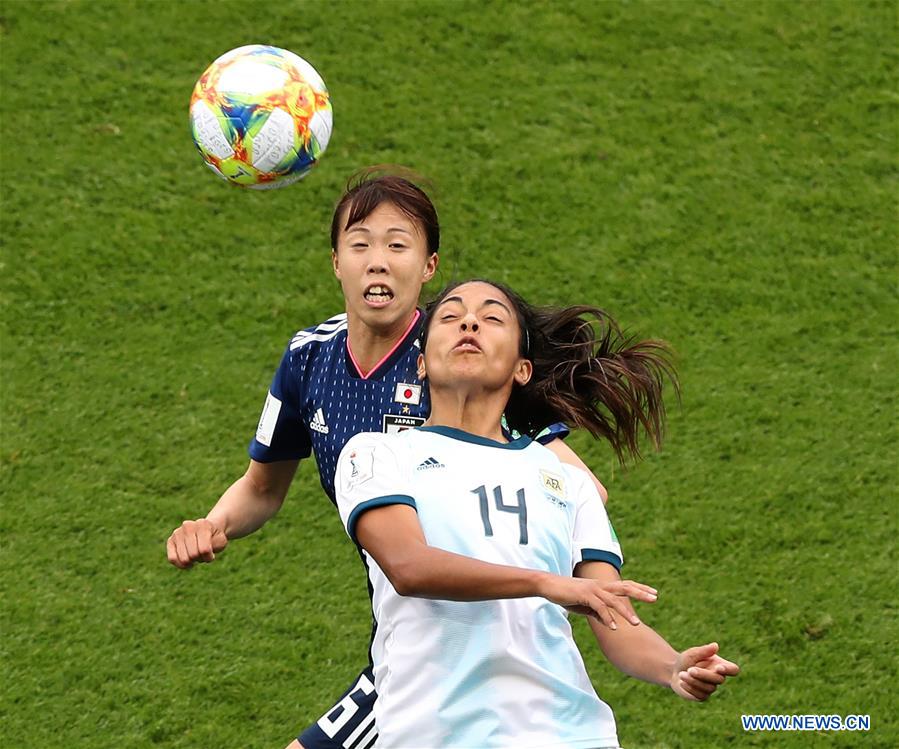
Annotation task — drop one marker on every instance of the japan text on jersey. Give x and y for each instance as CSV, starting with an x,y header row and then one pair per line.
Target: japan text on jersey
x,y
318,399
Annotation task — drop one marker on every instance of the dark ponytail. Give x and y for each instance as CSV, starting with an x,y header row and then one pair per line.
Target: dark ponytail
x,y
588,374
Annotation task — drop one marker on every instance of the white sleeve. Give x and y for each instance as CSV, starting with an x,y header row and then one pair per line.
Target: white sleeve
x,y
369,475
593,537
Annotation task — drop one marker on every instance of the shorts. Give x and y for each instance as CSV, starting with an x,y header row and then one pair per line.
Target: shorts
x,y
350,723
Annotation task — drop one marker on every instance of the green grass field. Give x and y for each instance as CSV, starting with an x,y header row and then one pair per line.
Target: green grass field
x,y
720,174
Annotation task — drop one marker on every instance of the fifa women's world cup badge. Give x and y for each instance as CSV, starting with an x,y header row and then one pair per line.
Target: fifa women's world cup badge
x,y
358,468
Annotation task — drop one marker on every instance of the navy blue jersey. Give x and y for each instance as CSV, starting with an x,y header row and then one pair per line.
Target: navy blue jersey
x,y
318,399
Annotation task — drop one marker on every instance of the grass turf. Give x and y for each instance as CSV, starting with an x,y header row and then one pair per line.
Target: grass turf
x,y
719,174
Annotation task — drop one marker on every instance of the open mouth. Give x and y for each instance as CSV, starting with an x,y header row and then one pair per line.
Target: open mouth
x,y
467,344
378,294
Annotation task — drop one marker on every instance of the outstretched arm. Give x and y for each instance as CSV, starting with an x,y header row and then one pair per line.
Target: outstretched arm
x,y
693,674
245,507
254,498
394,537
569,456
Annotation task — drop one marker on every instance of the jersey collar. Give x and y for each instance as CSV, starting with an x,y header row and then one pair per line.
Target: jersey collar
x,y
390,358
457,434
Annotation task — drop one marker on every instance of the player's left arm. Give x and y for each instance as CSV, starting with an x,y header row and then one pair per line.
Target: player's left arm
x,y
569,456
641,652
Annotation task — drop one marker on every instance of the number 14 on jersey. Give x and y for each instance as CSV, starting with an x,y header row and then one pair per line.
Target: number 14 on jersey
x,y
520,509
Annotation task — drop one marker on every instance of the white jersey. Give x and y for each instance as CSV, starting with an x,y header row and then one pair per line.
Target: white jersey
x,y
486,673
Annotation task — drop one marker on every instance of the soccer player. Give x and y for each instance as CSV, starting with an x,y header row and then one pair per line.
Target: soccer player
x,y
471,539
355,372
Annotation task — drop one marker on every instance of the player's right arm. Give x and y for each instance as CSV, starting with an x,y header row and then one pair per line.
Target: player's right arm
x,y
246,506
275,451
394,538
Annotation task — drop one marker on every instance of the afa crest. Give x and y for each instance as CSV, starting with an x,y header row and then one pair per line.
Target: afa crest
x,y
553,484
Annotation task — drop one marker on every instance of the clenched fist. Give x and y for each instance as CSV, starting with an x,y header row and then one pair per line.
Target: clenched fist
x,y
195,541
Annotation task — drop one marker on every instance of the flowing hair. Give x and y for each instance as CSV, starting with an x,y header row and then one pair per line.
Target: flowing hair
x,y
587,373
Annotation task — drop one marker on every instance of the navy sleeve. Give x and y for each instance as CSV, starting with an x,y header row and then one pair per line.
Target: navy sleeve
x,y
553,431
281,433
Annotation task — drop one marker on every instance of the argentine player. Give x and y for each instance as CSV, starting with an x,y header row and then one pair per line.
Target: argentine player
x,y
355,372
476,545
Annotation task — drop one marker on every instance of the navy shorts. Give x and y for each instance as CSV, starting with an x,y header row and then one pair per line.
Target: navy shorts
x,y
350,723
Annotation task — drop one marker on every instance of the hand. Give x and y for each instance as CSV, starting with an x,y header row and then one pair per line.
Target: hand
x,y
699,671
600,600
195,541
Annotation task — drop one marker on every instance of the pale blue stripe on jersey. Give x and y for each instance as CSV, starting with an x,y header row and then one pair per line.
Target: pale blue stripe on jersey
x,y
371,504
469,713
598,555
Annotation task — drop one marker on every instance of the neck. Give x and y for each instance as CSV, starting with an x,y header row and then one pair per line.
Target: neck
x,y
475,412
370,346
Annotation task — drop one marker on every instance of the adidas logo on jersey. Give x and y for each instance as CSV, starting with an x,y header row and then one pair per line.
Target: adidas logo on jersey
x,y
429,463
318,423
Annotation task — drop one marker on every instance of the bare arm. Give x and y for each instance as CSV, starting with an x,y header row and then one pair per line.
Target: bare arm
x,y
569,456
642,653
245,507
393,536
639,652
254,498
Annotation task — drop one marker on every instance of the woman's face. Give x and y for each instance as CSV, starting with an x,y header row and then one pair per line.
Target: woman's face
x,y
474,339
382,263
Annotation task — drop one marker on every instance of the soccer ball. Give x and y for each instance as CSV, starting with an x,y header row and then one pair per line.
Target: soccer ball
x,y
260,117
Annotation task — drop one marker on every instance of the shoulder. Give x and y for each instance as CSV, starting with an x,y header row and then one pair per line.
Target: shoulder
x,y
372,441
565,478
541,454
363,439
580,483
328,331
367,456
